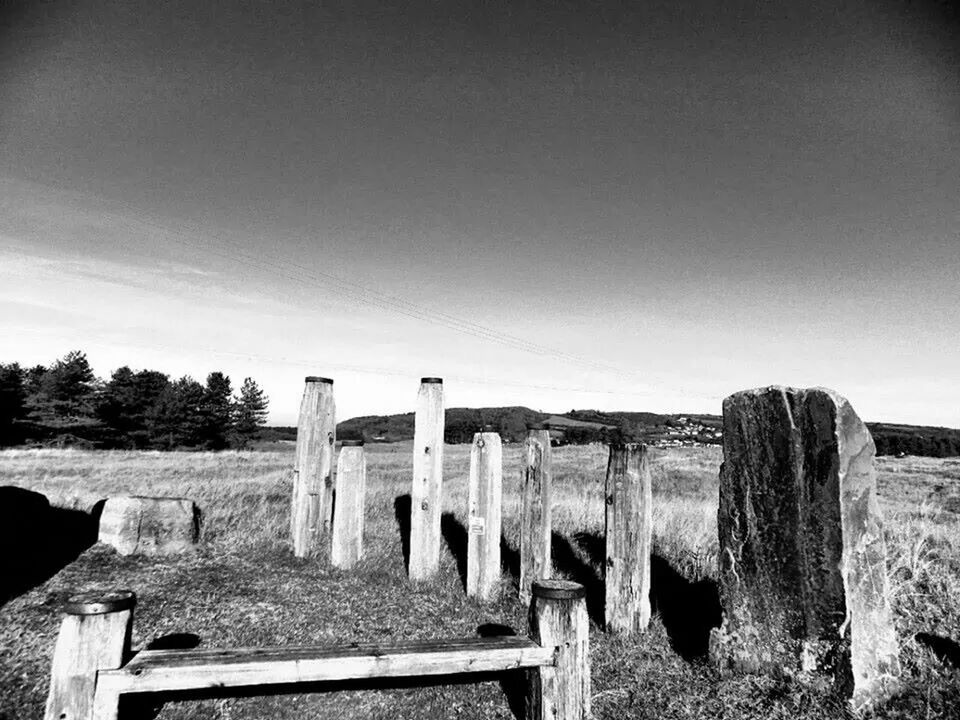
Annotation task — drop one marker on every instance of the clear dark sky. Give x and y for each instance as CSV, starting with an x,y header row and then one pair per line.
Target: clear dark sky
x,y
691,198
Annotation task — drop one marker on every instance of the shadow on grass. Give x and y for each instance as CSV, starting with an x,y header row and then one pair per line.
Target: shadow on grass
x,y
512,682
37,540
457,540
688,610
569,563
401,511
946,650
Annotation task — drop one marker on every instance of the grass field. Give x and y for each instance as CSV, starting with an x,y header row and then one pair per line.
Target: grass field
x,y
243,587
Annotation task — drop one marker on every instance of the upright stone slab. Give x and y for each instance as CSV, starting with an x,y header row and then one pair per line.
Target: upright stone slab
x,y
149,526
803,560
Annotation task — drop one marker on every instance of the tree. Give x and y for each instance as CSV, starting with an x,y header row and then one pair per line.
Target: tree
x,y
177,419
249,413
13,396
217,410
62,397
124,404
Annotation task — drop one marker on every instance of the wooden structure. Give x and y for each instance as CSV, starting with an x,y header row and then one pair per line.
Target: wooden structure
x,y
535,521
629,528
346,545
425,495
313,467
91,669
483,530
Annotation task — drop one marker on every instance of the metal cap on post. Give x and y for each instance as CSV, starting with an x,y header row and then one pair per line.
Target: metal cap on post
x,y
317,378
558,589
100,603
351,443
432,380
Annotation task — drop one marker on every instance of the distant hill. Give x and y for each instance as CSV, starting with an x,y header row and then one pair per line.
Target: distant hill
x,y
585,426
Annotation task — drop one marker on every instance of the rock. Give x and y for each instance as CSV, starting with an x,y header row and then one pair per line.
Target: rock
x,y
803,560
149,526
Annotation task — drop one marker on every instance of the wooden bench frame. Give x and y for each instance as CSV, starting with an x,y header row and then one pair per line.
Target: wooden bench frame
x,y
92,665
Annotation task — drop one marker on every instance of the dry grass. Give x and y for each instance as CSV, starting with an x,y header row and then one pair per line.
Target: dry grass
x,y
244,588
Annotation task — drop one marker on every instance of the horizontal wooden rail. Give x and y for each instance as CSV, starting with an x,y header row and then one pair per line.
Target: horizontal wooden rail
x,y
165,670
89,676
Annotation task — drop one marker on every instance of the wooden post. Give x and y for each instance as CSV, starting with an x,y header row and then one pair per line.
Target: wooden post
x,y
425,502
94,635
535,523
346,547
558,618
313,466
629,536
483,531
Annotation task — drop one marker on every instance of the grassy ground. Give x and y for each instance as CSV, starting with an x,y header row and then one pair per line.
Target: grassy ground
x,y
243,587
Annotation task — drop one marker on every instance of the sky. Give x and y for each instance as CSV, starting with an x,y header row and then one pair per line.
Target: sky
x,y
621,206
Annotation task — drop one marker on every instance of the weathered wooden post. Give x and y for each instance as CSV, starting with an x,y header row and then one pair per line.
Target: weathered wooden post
x,y
94,635
425,497
629,532
313,466
483,531
803,579
558,618
535,522
346,546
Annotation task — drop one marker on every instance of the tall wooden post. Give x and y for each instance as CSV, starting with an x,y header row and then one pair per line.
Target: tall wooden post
x,y
425,496
94,635
558,618
629,537
535,523
313,466
483,531
346,546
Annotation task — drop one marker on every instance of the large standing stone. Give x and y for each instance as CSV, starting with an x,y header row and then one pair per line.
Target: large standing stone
x,y
149,526
803,560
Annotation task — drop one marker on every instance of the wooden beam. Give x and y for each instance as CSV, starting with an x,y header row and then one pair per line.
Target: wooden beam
x,y
483,531
629,533
94,635
535,520
558,618
425,496
346,545
166,670
313,467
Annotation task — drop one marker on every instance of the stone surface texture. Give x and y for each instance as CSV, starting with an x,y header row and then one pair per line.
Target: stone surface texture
x,y
803,560
149,526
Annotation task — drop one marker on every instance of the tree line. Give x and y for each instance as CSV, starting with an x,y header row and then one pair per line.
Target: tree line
x,y
66,404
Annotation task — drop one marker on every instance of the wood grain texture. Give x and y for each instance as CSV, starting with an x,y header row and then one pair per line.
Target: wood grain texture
x,y
535,521
427,489
346,545
155,671
483,521
85,645
629,533
560,691
313,467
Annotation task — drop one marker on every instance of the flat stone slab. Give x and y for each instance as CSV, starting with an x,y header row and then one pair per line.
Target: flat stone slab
x,y
149,526
803,561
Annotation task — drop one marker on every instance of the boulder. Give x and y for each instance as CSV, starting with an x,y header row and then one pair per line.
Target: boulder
x,y
803,579
149,526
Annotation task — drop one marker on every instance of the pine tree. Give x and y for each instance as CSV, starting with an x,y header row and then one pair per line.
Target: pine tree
x,y
13,397
250,413
125,402
177,418
62,397
217,411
